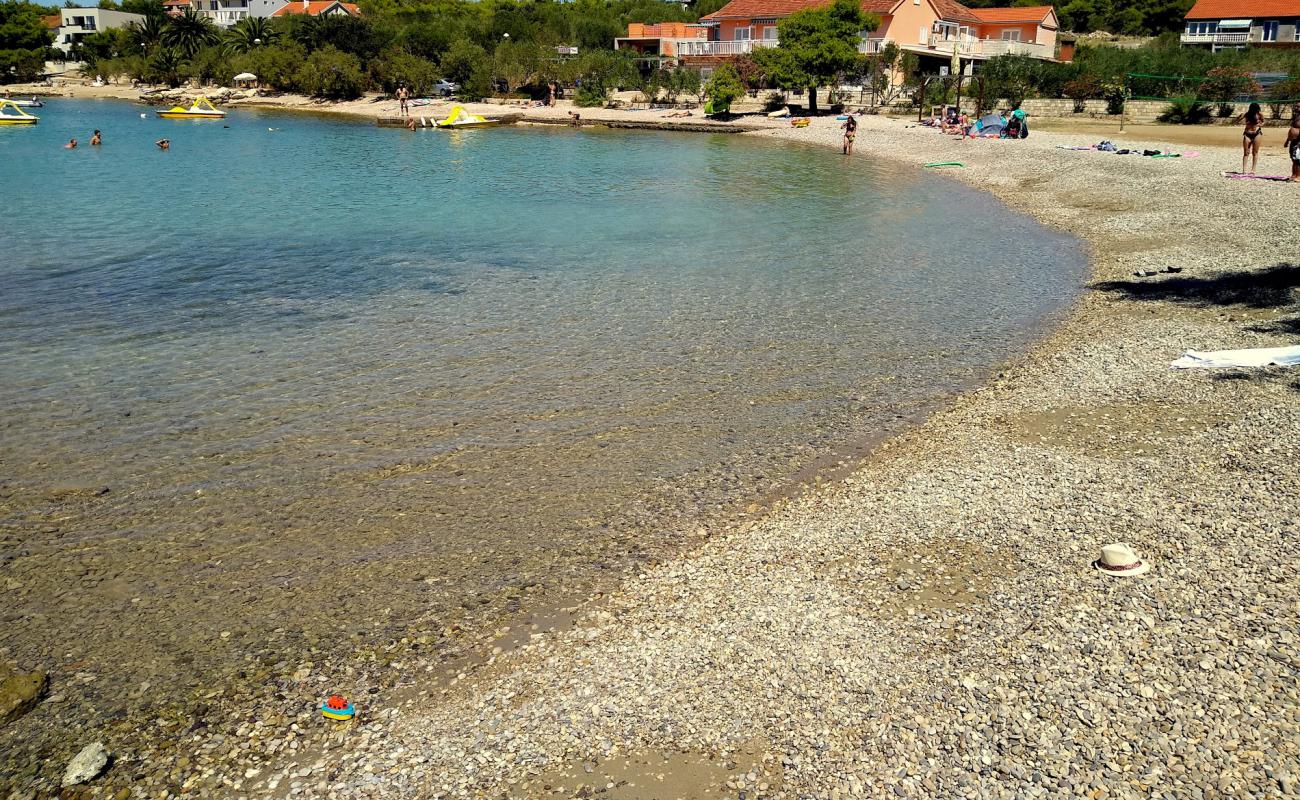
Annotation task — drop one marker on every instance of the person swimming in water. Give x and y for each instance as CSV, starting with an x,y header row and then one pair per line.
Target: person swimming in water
x,y
1250,137
71,145
164,144
95,139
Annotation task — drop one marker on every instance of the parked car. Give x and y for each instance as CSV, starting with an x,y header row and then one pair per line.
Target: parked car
x,y
445,88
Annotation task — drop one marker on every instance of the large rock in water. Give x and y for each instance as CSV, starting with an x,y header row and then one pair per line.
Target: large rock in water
x,y
86,764
19,692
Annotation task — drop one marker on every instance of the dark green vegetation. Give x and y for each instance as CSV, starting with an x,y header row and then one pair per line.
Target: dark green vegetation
x,y
509,47
492,47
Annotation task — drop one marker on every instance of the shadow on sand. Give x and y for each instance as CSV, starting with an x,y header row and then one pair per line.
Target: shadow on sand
x,y
1272,288
1268,288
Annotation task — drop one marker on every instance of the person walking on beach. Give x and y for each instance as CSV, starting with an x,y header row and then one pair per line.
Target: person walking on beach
x,y
550,94
402,96
1250,137
1292,145
850,127
95,139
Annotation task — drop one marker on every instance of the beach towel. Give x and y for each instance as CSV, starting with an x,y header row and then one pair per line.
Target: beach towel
x,y
1076,147
1225,359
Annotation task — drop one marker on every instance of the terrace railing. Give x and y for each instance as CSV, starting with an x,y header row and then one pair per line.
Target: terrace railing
x,y
736,48
1215,38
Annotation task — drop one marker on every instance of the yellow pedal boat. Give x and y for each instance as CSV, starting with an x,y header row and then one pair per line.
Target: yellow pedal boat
x,y
202,109
12,114
460,118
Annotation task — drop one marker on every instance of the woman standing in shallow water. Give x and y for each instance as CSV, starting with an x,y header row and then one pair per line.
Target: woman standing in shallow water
x,y
1250,137
850,133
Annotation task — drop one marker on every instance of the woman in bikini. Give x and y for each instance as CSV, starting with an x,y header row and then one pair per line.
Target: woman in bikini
x,y
1250,137
850,133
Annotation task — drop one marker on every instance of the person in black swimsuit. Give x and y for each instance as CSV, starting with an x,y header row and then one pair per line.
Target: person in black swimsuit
x,y
1292,144
1250,137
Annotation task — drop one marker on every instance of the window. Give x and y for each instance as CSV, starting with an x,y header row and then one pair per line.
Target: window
x,y
741,34
769,33
1011,36
1201,28
1270,30
90,24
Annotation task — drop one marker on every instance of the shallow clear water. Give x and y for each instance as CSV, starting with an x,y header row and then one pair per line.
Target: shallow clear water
x,y
341,378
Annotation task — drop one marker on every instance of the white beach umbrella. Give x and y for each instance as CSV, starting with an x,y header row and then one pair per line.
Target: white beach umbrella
x,y
245,76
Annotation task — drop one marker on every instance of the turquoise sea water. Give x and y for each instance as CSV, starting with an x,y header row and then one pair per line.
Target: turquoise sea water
x,y
379,376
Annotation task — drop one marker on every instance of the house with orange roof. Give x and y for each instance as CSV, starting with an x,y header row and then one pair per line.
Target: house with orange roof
x,y
935,30
318,8
1236,24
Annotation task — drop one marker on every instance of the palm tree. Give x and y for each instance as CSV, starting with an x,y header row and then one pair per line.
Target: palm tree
x,y
250,32
189,33
148,33
165,66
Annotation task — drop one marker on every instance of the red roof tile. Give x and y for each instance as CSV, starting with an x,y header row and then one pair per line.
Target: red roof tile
x,y
764,9
52,21
1013,15
952,11
314,8
1244,9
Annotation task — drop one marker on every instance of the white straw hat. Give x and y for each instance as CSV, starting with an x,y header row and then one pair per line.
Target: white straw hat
x,y
1119,560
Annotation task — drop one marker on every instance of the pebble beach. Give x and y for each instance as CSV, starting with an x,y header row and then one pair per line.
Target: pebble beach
x,y
931,624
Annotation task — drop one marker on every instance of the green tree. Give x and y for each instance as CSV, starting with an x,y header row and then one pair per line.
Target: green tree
x,y
397,67
250,32
189,32
816,45
518,63
723,87
601,71
167,66
24,41
275,65
469,65
147,34
332,74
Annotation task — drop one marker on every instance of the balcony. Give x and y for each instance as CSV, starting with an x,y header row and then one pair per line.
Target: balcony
x,y
999,47
1218,37
227,18
871,46
687,49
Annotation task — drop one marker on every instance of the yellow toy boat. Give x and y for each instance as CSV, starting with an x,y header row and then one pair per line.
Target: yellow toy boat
x,y
11,114
460,118
202,109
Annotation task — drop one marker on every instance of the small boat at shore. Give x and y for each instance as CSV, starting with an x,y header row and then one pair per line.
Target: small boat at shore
x,y
460,118
33,103
12,114
201,109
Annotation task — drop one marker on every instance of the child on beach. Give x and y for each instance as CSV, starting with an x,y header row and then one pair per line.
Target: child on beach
x,y
1250,137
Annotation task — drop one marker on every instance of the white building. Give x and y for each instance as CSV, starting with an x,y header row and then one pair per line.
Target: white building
x,y
77,23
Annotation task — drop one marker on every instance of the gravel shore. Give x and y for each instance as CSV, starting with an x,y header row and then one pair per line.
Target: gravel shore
x,y
931,625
